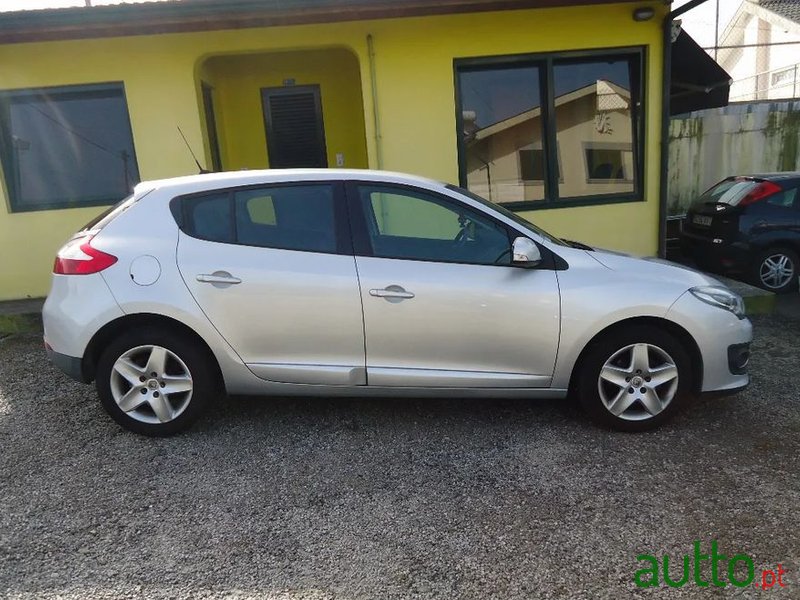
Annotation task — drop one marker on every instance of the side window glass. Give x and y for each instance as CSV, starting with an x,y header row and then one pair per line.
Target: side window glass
x,y
295,217
783,199
260,210
414,225
209,217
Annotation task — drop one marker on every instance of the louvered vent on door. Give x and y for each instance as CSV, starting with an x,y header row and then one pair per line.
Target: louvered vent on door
x,y
295,134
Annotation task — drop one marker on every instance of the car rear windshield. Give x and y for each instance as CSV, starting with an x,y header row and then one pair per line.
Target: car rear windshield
x,y
730,191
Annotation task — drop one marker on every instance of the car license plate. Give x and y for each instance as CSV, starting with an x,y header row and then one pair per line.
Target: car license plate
x,y
701,220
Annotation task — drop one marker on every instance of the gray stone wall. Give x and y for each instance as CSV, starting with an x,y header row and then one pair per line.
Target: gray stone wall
x,y
707,146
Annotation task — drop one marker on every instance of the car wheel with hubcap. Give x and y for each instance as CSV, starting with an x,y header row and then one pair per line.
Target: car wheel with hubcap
x,y
776,270
634,380
153,382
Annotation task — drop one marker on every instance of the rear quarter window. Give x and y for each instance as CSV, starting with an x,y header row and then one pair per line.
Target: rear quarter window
x,y
785,199
209,217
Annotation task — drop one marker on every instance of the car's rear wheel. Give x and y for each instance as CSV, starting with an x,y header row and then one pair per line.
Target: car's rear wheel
x,y
634,380
776,270
155,382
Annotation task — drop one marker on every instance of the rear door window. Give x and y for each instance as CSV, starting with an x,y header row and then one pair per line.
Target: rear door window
x,y
298,217
288,217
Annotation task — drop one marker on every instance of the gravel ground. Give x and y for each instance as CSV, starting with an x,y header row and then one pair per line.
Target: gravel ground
x,y
346,499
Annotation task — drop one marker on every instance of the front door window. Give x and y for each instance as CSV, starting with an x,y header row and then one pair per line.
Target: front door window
x,y
413,225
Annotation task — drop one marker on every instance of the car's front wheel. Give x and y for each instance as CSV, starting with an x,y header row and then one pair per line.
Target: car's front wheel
x,y
634,380
154,381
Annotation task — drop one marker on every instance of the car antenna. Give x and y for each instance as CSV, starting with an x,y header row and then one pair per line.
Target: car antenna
x,y
197,162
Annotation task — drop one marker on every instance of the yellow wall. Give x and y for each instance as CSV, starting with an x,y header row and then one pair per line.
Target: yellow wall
x,y
415,90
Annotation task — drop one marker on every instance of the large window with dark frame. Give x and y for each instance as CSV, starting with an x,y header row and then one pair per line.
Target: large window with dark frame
x,y
66,147
519,116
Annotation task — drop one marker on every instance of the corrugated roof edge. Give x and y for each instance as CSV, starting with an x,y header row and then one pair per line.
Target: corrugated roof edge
x,y
204,15
788,9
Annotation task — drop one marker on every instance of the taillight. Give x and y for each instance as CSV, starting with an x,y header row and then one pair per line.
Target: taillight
x,y
77,257
761,191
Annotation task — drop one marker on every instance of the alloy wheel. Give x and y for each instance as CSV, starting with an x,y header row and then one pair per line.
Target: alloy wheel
x,y
638,382
151,384
776,271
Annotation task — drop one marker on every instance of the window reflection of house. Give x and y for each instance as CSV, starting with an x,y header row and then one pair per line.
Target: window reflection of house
x,y
594,148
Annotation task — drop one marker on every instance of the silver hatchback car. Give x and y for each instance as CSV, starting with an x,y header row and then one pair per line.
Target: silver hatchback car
x,y
329,282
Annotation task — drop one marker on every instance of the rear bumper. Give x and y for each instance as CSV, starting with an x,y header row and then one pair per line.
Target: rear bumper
x,y
728,255
76,308
71,365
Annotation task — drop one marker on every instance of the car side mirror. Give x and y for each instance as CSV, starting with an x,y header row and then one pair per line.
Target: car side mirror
x,y
525,253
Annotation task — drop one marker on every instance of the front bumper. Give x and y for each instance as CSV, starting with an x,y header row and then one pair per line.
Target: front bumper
x,y
738,358
725,393
716,331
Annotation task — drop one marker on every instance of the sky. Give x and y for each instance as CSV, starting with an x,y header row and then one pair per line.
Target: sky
x,y
698,22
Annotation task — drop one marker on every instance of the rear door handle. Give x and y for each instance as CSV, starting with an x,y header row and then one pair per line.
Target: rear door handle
x,y
219,277
392,291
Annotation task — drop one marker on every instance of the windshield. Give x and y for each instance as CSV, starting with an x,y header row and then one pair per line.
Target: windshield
x,y
507,213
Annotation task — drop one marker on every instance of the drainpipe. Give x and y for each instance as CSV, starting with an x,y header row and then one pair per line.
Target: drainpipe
x,y
665,106
375,113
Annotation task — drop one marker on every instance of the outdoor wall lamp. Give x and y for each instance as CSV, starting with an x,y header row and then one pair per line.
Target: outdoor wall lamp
x,y
643,13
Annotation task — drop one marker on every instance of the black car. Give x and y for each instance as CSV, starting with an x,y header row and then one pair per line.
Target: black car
x,y
748,225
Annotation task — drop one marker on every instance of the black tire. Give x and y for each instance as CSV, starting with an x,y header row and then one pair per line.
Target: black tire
x,y
636,418
793,262
195,359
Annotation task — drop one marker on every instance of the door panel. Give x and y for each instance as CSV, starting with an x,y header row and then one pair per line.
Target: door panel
x,y
269,269
295,317
466,326
443,307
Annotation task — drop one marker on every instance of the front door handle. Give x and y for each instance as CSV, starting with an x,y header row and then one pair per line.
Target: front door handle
x,y
392,292
219,277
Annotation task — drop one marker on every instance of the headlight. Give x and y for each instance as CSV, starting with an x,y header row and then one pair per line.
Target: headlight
x,y
720,297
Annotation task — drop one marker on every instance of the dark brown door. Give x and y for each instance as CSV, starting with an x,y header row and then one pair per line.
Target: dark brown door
x,y
295,130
